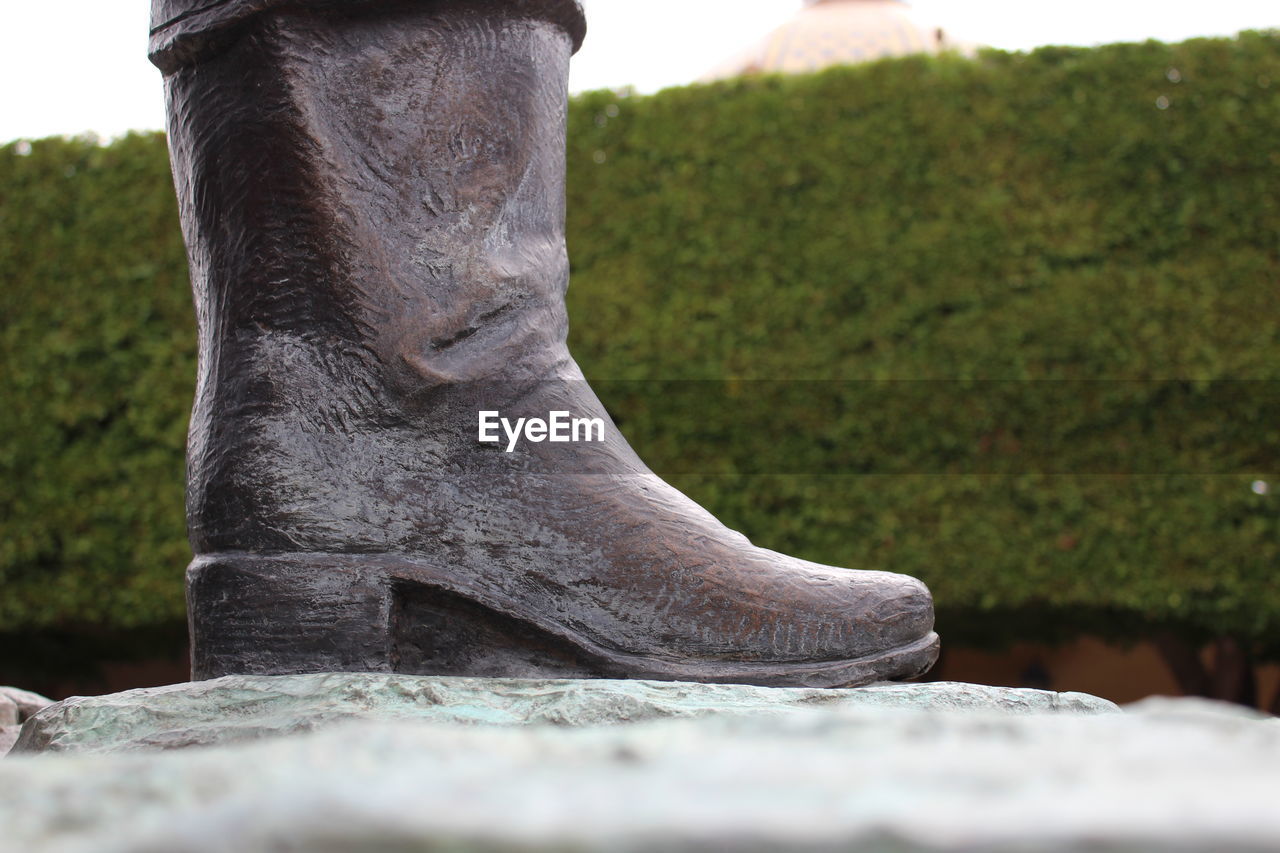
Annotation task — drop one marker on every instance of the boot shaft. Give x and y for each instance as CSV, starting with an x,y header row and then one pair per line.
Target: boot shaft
x,y
372,199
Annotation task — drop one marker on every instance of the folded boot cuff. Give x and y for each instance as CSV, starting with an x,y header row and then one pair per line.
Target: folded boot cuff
x,y
183,32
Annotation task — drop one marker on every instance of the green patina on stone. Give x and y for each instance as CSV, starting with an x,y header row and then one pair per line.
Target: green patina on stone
x,y
238,708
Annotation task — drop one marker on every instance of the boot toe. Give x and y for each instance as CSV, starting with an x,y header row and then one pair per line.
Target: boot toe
x,y
825,613
899,611
842,627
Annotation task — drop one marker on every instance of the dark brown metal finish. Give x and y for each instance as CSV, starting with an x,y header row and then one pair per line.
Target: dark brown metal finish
x,y
372,198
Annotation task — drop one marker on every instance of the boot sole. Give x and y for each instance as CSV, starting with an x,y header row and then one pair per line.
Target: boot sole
x,y
281,614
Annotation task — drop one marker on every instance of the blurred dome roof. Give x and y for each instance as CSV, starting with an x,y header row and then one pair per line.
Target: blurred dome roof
x,y
838,32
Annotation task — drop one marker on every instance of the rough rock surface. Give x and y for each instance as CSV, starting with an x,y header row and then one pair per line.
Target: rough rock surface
x,y
9,723
837,774
238,708
16,706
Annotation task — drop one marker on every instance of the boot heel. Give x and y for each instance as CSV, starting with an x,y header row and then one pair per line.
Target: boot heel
x,y
265,615
274,615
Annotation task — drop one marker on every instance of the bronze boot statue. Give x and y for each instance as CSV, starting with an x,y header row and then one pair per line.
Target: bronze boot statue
x,y
372,196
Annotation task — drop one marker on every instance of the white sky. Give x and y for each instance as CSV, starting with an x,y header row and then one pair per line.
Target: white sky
x,y
72,66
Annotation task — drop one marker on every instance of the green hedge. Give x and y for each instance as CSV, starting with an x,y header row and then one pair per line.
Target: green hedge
x,y
1008,324
98,348
1106,218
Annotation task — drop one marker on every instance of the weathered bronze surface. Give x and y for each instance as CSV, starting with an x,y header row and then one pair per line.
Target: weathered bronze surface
x,y
372,197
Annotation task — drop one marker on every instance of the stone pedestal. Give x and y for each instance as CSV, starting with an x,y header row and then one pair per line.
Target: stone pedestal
x,y
239,708
359,762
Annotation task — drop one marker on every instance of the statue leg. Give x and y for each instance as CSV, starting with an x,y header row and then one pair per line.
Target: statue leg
x,y
372,198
